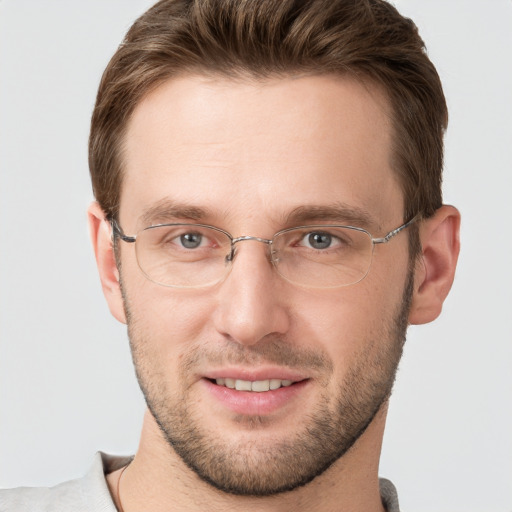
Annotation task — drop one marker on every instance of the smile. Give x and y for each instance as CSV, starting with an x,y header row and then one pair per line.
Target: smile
x,y
257,386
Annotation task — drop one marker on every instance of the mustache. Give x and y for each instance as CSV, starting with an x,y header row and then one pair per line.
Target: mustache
x,y
269,351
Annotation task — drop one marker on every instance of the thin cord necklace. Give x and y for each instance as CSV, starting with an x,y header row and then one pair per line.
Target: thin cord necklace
x,y
117,489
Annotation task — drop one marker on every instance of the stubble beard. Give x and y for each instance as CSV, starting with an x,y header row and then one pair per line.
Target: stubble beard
x,y
250,468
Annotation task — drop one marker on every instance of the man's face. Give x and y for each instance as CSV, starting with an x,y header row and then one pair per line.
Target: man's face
x,y
254,158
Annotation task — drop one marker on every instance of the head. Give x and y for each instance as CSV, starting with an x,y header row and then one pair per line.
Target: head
x,y
366,40
254,120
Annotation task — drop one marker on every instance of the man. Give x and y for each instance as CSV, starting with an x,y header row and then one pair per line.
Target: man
x,y
268,222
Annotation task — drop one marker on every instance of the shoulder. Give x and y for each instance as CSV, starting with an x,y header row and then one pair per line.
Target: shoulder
x,y
389,495
89,493
66,496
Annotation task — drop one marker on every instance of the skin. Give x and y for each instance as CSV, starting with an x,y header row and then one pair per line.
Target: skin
x,y
249,154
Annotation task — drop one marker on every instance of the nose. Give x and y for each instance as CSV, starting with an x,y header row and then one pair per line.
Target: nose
x,y
251,302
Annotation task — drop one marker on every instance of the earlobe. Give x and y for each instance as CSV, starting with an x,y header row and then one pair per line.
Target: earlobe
x,y
435,269
101,238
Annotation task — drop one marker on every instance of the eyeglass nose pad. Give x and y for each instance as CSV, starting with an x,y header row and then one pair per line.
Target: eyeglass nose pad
x,y
274,258
230,257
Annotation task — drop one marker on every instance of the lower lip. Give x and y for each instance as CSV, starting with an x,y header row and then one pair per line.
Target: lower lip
x,y
252,403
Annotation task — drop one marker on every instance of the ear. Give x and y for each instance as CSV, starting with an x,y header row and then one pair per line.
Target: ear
x,y
100,231
435,269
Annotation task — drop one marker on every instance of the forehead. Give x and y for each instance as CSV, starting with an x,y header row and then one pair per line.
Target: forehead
x,y
238,149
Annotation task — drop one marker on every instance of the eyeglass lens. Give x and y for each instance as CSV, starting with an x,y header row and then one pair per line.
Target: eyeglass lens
x,y
188,255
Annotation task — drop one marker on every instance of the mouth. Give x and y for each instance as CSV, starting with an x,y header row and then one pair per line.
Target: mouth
x,y
256,386
261,392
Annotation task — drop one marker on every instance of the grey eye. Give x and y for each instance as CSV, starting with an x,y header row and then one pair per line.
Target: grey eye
x,y
319,240
191,240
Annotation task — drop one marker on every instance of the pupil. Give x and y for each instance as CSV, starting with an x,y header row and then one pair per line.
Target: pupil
x,y
320,240
191,240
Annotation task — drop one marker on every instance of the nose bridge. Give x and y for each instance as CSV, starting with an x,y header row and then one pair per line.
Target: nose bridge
x,y
246,238
254,238
248,306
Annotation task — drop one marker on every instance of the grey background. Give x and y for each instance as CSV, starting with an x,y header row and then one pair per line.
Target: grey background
x,y
66,383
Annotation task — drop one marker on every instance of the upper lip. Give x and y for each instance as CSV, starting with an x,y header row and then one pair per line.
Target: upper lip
x,y
253,374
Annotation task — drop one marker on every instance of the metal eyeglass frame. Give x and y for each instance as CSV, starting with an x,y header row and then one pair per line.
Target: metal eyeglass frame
x,y
131,239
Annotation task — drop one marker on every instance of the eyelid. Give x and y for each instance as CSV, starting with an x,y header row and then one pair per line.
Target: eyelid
x,y
304,227
333,236
216,236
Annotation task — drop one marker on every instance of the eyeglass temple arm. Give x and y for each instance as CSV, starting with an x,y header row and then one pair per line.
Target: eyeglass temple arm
x,y
391,234
117,231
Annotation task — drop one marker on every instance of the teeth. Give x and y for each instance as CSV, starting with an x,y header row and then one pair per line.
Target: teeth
x,y
275,383
258,386
243,385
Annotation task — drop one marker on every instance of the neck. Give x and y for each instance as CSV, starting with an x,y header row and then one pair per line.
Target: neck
x,y
157,477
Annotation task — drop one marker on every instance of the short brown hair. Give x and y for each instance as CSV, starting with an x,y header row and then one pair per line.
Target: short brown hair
x,y
368,39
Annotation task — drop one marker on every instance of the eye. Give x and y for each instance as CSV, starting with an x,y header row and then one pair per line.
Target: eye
x,y
320,240
191,240
183,240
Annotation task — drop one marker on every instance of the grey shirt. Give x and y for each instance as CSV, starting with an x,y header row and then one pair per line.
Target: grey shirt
x,y
91,494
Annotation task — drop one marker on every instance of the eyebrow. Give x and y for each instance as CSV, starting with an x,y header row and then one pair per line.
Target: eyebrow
x,y
338,213
167,210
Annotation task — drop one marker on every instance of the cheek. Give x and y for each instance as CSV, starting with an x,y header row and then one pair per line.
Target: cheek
x,y
349,323
339,324
167,321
